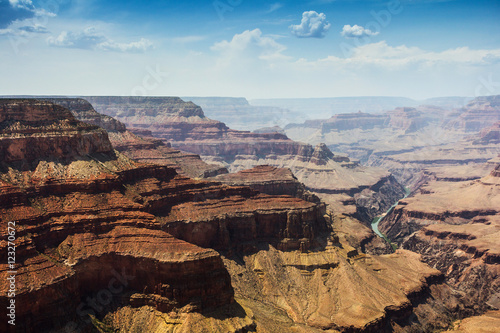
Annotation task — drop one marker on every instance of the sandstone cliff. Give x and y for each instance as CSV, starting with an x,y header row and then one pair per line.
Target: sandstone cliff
x,y
142,148
455,226
334,177
412,143
91,223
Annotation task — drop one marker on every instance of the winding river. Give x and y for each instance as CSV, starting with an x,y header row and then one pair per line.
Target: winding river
x,y
376,220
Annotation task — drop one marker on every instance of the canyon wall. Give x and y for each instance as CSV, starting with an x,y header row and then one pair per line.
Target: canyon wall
x,y
455,227
334,177
89,218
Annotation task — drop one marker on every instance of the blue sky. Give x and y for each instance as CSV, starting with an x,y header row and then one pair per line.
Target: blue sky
x,y
251,48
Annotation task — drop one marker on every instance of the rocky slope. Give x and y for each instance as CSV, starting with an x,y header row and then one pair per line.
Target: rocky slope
x,y
334,177
410,142
478,114
455,226
106,242
92,223
487,323
143,148
489,135
270,180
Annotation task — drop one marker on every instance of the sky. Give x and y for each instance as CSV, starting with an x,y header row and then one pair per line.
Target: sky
x,y
250,48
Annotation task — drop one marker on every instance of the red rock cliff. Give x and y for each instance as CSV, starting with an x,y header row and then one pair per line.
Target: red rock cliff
x,y
90,222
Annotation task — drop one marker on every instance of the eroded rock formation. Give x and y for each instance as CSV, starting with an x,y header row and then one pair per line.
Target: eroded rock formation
x,y
334,177
455,226
412,143
143,148
90,221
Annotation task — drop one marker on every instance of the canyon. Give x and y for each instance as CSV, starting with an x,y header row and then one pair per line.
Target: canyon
x,y
79,206
93,224
247,232
335,178
455,227
414,143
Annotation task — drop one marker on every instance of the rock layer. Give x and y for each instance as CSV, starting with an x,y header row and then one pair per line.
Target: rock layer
x,y
142,148
91,223
455,226
334,177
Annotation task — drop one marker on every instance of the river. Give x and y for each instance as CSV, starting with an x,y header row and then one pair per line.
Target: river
x,y
376,220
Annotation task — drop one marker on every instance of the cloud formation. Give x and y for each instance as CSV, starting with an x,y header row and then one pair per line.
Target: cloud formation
x,y
90,39
313,25
24,31
15,10
357,31
250,44
381,55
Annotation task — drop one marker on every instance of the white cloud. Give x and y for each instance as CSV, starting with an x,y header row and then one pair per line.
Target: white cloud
x,y
140,46
382,55
21,4
357,31
312,25
8,32
24,31
87,39
250,44
90,39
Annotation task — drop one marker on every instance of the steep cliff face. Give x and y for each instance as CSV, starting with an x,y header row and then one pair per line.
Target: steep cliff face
x,y
335,177
142,148
270,180
31,127
444,202
169,118
408,119
478,114
347,121
455,226
91,223
490,134
84,111
412,143
147,149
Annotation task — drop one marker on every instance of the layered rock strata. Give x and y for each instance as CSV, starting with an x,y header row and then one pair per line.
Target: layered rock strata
x,y
141,147
91,224
270,180
455,226
409,142
335,178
